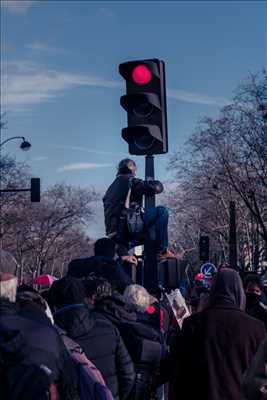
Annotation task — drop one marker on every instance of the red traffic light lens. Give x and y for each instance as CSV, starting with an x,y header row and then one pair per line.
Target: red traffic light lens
x,y
141,75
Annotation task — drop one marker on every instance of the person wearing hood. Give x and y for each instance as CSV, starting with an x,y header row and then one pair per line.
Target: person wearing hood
x,y
216,345
254,290
99,339
102,264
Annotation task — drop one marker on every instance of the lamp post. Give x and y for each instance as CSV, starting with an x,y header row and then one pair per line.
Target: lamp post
x,y
25,145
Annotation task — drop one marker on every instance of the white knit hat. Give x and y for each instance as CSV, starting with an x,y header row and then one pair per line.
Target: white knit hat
x,y
138,298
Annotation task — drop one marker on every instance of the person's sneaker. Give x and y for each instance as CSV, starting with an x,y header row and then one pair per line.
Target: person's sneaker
x,y
167,254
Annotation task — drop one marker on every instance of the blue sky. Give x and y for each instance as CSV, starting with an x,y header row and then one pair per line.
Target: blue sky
x,y
60,84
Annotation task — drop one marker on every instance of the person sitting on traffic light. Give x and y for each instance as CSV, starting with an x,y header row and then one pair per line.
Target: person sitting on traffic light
x,y
155,219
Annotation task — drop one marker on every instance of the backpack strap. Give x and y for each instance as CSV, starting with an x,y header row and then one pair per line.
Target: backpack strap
x,y
127,200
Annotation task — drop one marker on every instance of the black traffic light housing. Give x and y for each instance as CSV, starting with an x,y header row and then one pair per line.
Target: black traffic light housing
x,y
35,190
145,103
204,248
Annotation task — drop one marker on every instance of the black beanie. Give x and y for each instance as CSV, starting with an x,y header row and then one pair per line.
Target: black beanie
x,y
105,247
67,291
78,267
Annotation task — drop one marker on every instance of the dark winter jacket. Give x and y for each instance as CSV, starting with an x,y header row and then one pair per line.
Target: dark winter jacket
x,y
113,309
216,346
20,379
115,196
104,267
44,345
102,344
255,308
255,379
142,341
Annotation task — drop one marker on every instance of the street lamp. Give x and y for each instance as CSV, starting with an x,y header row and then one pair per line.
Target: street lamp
x,y
24,144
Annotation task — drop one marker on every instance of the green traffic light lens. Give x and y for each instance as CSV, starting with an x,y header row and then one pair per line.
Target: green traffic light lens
x,y
143,110
144,142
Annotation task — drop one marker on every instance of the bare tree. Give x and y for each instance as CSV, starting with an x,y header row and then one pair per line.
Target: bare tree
x,y
40,235
226,159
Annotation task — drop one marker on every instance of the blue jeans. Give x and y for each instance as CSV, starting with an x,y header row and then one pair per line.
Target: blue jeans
x,y
156,223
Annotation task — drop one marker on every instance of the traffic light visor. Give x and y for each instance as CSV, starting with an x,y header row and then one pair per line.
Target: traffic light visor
x,y
141,75
142,136
141,104
140,72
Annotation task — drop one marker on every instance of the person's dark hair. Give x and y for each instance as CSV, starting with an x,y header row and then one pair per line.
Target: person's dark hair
x,y
26,288
105,247
67,291
30,297
253,279
123,166
97,286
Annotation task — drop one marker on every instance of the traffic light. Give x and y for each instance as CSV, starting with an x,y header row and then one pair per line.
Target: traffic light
x,y
263,109
145,103
35,190
204,248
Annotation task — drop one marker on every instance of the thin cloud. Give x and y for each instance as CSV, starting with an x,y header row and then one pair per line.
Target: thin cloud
x,y
18,7
82,166
45,48
194,98
31,84
24,84
40,158
84,149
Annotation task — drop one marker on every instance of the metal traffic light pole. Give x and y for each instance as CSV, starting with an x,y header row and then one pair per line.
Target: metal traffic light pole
x,y
150,257
150,201
146,134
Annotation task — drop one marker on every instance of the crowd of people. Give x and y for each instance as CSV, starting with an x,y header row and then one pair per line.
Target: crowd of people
x,y
94,334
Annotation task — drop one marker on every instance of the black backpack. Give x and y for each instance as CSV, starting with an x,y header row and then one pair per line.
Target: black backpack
x,y
142,342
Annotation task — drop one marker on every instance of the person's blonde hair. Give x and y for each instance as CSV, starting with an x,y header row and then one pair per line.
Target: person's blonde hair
x,y
137,298
8,289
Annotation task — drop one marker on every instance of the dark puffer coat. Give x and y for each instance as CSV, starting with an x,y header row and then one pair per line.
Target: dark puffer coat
x,y
216,346
143,343
20,380
102,344
44,345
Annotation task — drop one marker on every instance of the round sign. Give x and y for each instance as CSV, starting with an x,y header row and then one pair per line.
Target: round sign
x,y
208,269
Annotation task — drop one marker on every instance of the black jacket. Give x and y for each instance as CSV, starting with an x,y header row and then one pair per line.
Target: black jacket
x,y
142,341
102,344
113,309
256,309
19,379
132,331
214,351
105,267
115,196
216,345
44,345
